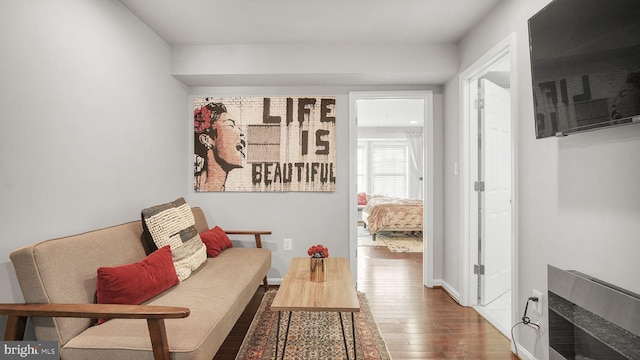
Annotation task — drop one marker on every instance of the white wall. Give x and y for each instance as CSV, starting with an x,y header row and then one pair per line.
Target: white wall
x,y
88,120
579,203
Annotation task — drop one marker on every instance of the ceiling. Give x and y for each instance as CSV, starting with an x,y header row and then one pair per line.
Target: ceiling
x,y
329,22
390,112
207,22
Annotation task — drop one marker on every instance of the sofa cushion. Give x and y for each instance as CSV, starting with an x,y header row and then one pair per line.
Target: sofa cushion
x,y
173,224
137,282
216,296
215,240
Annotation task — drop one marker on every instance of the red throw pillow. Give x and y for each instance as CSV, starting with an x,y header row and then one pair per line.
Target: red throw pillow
x,y
362,198
138,282
215,240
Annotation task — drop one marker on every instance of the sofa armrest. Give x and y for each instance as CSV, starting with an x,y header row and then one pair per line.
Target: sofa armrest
x,y
106,311
256,233
17,315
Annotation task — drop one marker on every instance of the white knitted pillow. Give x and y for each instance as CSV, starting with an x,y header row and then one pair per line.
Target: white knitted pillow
x,y
173,224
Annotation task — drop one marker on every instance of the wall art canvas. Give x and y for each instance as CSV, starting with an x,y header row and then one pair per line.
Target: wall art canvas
x,y
264,144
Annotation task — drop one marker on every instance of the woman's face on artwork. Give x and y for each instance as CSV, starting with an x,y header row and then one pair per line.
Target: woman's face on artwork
x,y
229,144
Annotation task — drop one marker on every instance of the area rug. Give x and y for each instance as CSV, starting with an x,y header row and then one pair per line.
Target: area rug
x,y
365,239
396,241
401,242
312,335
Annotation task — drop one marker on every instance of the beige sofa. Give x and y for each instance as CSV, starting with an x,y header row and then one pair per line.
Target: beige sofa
x,y
188,321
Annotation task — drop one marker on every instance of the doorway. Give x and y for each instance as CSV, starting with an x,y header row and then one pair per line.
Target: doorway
x,y
488,197
425,186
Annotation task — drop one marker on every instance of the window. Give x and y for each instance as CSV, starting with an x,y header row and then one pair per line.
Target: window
x,y
385,167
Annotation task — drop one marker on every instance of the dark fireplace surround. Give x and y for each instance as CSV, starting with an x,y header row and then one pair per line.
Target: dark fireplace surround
x,y
590,319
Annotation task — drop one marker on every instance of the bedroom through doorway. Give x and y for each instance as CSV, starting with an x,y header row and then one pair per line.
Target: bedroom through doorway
x,y
389,172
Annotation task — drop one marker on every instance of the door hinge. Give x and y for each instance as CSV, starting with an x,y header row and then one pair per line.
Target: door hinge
x,y
478,269
478,104
478,186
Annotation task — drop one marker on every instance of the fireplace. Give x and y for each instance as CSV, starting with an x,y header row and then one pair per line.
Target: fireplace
x,y
590,319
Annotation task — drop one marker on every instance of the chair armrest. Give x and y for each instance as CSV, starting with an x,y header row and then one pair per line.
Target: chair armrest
x,y
17,315
255,233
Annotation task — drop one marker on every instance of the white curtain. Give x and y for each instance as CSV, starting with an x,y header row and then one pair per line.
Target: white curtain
x,y
415,140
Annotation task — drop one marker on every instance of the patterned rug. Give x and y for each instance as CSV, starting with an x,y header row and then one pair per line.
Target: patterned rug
x,y
396,241
312,335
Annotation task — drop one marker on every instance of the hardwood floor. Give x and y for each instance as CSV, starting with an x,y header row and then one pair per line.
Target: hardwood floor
x,y
416,322
421,323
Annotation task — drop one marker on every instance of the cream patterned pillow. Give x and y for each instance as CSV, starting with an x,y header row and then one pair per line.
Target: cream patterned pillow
x,y
173,224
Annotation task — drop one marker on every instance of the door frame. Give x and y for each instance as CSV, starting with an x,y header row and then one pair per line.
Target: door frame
x,y
469,167
427,184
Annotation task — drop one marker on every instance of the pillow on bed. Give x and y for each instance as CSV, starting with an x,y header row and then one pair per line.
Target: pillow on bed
x,y
372,196
362,198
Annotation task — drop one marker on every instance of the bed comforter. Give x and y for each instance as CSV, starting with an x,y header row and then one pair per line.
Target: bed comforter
x,y
393,214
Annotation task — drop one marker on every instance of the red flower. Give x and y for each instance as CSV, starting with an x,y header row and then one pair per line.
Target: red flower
x,y
318,251
201,119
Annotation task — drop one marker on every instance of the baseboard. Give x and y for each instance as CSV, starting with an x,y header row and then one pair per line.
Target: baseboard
x,y
274,281
492,321
523,354
453,293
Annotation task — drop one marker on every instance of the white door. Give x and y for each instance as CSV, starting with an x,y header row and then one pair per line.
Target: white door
x,y
495,200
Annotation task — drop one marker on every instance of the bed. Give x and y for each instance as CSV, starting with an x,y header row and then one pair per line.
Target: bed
x,y
392,214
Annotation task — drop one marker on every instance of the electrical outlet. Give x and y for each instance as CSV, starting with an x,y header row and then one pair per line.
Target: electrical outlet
x,y
536,305
287,245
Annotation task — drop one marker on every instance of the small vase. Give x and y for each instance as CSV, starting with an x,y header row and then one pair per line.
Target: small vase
x,y
318,269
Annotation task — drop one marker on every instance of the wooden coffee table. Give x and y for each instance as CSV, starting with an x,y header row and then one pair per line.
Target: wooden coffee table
x,y
298,293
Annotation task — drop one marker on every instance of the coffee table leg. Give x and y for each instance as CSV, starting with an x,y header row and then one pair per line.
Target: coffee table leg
x,y
344,336
286,334
278,334
353,331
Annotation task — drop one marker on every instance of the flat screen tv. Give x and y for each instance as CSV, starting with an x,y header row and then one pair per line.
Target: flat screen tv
x,y
585,65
